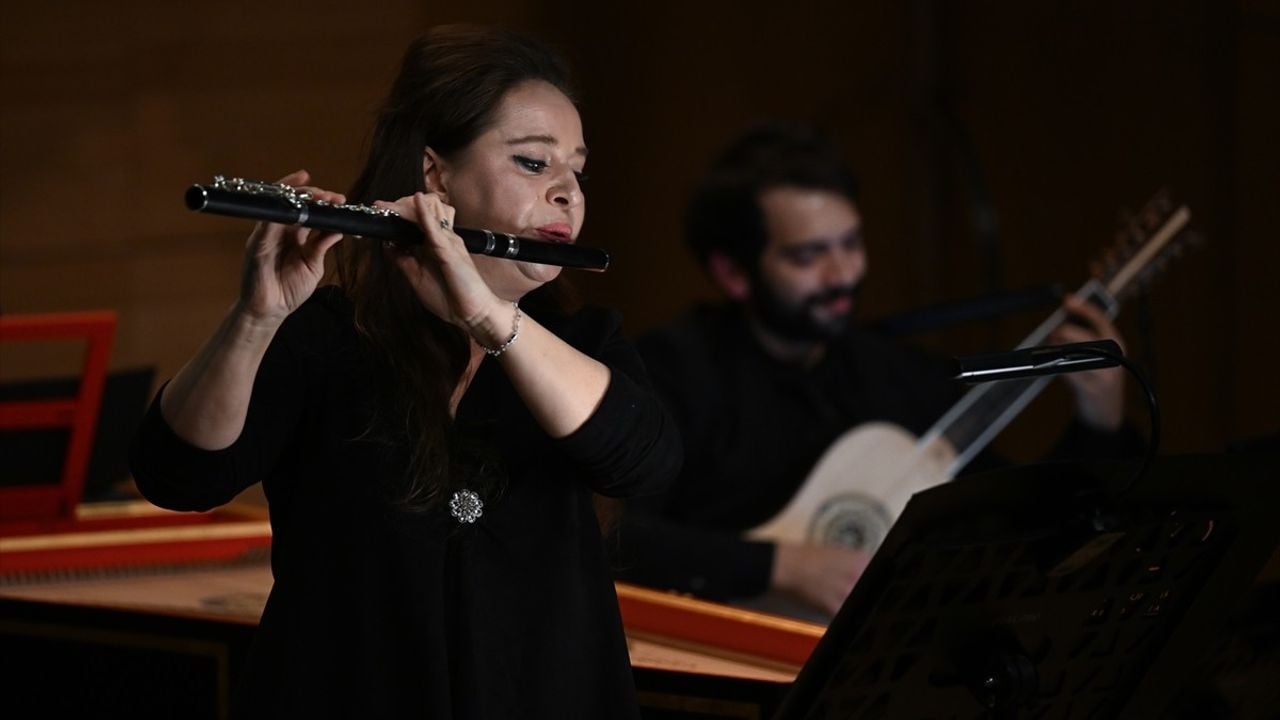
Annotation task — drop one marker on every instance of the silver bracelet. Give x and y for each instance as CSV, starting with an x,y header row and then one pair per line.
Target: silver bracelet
x,y
515,332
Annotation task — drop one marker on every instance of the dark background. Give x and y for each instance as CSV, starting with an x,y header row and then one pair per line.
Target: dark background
x,y
1039,122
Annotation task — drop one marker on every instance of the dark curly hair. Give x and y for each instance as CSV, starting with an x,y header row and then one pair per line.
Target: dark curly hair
x,y
724,213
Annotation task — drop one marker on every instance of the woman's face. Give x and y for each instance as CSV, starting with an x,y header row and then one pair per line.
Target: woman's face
x,y
521,176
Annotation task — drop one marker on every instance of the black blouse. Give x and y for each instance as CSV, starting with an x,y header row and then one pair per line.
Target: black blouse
x,y
378,612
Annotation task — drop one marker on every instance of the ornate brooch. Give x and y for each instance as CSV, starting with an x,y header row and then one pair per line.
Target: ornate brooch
x,y
466,506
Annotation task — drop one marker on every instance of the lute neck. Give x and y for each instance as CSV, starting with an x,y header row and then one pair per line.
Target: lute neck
x,y
984,411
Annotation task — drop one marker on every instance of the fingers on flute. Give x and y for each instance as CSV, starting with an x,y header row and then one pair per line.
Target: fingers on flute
x,y
265,236
321,194
405,209
298,179
328,196
318,246
435,216
295,178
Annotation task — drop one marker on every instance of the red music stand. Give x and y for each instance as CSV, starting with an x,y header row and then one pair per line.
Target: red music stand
x,y
78,414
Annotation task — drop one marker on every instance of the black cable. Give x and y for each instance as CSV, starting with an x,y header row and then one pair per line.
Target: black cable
x,y
1153,408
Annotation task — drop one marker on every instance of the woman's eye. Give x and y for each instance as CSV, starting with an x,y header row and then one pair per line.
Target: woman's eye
x,y
530,164
582,177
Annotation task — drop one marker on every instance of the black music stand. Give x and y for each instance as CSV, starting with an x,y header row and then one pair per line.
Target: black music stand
x,y
1046,592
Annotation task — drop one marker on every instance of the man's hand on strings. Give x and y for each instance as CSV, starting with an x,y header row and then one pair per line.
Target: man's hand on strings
x,y
1099,394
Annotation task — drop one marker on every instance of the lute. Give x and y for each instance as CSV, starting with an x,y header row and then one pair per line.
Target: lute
x,y
864,480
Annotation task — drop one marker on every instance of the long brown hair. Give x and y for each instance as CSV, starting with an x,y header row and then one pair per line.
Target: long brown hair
x,y
448,89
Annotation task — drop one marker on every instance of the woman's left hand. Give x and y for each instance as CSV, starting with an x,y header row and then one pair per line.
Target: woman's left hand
x,y
1099,393
561,386
442,271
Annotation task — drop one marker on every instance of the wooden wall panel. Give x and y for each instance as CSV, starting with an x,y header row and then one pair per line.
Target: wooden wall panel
x,y
1072,110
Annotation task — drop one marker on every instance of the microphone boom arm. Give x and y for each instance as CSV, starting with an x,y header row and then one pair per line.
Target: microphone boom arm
x,y
1058,360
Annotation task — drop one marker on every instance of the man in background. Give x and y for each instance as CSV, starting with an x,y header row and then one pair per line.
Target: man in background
x,y
762,383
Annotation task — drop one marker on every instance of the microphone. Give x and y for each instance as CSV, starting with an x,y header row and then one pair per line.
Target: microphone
x,y
1039,361
279,203
1058,360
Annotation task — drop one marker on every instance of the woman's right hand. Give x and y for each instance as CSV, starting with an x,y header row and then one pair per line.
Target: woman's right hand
x,y
284,264
207,402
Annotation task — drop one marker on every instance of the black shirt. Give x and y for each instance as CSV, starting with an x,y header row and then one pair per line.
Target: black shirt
x,y
379,612
754,427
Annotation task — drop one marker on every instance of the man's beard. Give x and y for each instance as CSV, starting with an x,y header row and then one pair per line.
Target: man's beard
x,y
798,321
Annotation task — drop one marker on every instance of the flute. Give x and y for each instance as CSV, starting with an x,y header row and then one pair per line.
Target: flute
x,y
280,203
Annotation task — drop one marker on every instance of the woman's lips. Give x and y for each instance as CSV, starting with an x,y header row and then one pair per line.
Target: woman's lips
x,y
555,232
